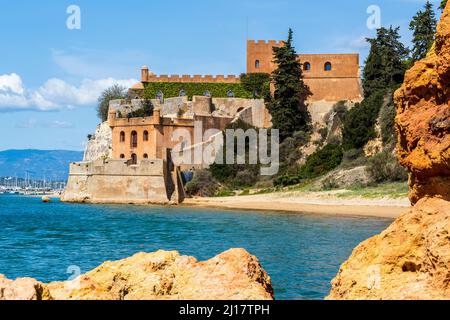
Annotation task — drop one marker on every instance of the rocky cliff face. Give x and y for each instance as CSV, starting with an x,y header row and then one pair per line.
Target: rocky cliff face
x,y
411,259
99,146
232,275
423,119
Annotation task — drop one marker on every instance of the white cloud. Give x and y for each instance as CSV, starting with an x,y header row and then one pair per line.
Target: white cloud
x,y
351,44
33,123
54,94
27,124
359,43
11,83
61,124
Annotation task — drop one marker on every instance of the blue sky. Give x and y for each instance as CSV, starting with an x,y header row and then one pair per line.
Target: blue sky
x,y
50,76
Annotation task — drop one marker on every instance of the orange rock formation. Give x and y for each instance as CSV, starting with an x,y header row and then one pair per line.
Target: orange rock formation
x,y
423,119
411,259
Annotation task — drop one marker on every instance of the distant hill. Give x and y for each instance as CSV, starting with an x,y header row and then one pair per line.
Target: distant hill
x,y
51,164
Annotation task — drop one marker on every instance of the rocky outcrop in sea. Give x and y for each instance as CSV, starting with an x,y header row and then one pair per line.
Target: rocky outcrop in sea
x,y
163,275
411,259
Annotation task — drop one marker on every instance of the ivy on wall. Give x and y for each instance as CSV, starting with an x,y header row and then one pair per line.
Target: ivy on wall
x,y
216,90
257,83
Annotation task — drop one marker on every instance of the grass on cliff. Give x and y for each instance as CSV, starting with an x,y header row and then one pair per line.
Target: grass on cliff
x,y
389,190
392,190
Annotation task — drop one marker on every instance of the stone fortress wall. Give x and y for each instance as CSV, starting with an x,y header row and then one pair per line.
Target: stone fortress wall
x,y
153,181
339,81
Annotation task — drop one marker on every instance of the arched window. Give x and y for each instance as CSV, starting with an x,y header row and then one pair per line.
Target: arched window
x,y
133,159
230,94
182,93
122,156
257,64
134,139
145,156
122,136
307,66
328,66
145,135
207,94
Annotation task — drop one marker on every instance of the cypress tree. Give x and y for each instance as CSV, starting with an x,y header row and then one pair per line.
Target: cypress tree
x,y
443,4
288,106
423,26
385,65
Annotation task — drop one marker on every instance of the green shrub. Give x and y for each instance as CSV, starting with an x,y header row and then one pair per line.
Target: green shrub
x,y
384,167
290,153
225,193
354,158
202,184
246,192
236,176
323,134
246,177
359,122
352,154
317,164
286,180
340,108
387,124
145,111
329,184
322,161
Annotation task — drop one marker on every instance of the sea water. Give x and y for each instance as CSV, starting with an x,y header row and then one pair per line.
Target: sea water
x,y
301,252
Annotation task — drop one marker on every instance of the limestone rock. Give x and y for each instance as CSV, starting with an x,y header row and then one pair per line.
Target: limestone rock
x,y
23,289
409,260
344,178
232,275
423,119
99,146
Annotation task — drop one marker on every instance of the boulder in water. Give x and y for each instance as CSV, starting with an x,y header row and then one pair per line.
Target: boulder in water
x,y
163,275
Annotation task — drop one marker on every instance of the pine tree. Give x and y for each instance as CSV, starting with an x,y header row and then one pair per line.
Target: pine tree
x,y
288,106
423,26
385,65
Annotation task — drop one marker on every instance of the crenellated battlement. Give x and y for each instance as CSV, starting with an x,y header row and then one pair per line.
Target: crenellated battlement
x,y
191,78
265,42
331,77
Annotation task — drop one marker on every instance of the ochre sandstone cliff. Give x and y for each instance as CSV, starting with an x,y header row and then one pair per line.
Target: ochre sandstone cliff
x,y
423,119
411,259
232,275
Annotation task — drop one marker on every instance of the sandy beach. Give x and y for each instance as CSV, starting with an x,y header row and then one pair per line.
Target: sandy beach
x,y
316,203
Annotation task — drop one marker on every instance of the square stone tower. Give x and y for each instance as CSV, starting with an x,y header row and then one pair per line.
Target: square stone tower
x,y
260,55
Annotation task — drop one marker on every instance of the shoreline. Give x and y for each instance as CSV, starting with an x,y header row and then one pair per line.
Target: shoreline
x,y
293,203
376,207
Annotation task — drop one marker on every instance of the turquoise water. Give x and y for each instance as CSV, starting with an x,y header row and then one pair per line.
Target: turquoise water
x,y
301,253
